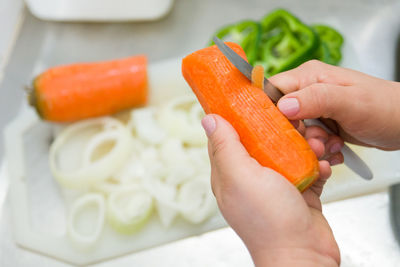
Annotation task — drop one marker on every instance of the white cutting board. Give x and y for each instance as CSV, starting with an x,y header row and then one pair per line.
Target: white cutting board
x,y
39,209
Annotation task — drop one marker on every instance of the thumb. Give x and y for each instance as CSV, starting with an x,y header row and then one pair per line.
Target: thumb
x,y
227,154
317,100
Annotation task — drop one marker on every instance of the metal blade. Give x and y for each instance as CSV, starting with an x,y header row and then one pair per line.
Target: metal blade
x,y
351,159
245,68
394,196
356,164
242,65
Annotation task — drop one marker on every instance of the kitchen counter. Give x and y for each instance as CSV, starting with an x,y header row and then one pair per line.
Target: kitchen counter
x,y
361,225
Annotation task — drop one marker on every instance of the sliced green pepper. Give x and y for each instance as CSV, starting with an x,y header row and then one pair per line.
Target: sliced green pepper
x,y
246,33
331,42
281,41
286,42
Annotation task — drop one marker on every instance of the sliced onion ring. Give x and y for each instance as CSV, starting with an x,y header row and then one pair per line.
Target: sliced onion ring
x,y
82,240
98,170
97,140
180,117
144,124
129,208
165,196
107,187
196,201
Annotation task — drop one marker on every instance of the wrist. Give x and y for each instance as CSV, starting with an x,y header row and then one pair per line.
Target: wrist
x,y
298,257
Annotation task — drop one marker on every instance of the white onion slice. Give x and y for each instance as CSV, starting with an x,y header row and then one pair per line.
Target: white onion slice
x,y
111,185
165,195
177,166
158,160
143,122
166,214
96,141
80,208
181,118
198,158
196,200
132,172
161,191
153,165
92,171
106,187
129,209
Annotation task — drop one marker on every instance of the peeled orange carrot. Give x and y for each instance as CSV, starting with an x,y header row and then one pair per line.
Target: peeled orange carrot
x,y
264,131
83,90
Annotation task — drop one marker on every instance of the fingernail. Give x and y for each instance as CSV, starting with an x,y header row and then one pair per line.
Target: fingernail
x,y
289,106
209,125
335,148
334,162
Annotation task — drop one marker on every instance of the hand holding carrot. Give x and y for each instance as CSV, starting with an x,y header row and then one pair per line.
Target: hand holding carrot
x,y
279,226
266,134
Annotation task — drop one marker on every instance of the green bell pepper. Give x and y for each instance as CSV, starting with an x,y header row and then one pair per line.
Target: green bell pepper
x,y
285,43
246,33
280,41
330,44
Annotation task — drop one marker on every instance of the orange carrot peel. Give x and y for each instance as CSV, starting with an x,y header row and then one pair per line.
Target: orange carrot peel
x,y
257,76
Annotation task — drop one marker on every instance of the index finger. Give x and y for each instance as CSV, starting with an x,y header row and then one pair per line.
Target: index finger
x,y
311,72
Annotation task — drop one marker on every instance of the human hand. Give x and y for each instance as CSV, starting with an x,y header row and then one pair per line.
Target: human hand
x,y
366,108
279,225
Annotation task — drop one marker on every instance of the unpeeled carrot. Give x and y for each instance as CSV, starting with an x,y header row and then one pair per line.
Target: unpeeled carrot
x,y
264,131
83,90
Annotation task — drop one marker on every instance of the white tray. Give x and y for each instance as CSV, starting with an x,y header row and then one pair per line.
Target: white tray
x,y
99,10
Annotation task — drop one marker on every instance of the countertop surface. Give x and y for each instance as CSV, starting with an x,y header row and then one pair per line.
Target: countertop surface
x,y
361,225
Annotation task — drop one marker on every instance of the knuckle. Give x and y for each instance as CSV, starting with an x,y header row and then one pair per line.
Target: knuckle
x,y
312,64
318,69
218,145
319,94
315,131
